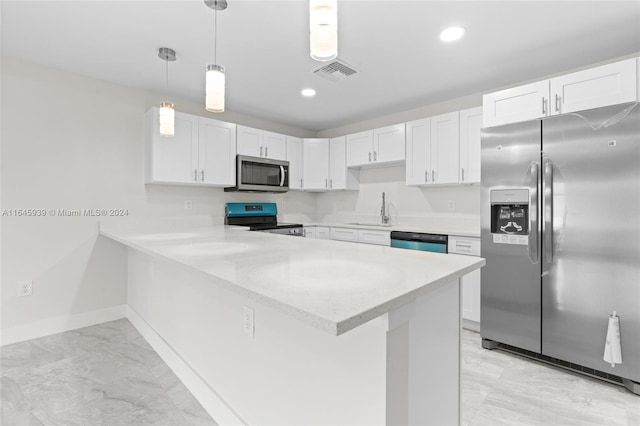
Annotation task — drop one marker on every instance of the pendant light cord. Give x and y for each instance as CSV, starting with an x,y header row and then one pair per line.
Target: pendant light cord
x,y
215,34
167,81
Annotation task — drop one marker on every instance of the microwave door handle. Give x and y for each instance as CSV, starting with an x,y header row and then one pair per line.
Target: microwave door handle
x,y
533,215
547,205
281,175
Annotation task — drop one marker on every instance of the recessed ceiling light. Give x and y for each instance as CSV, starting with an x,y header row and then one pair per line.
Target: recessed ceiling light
x,y
308,92
452,34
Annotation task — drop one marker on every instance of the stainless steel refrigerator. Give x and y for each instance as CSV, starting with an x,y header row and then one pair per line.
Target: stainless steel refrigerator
x,y
560,221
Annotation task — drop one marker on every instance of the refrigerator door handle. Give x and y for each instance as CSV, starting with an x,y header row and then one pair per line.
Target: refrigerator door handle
x,y
533,215
547,206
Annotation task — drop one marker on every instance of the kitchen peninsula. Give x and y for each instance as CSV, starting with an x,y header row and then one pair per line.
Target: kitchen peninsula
x,y
271,329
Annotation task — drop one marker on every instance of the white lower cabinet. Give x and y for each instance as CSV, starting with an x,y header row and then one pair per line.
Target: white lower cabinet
x,y
344,234
470,282
323,233
369,236
309,231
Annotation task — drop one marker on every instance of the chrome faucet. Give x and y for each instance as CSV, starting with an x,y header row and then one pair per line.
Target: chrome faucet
x,y
385,218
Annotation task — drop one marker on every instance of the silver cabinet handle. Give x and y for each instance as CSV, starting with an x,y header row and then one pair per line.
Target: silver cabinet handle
x,y
544,106
462,174
433,175
266,151
330,183
282,173
533,214
369,156
202,175
300,183
375,156
426,176
326,184
195,175
261,151
557,103
547,208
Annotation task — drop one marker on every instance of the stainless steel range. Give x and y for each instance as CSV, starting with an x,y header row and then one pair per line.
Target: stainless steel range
x,y
260,217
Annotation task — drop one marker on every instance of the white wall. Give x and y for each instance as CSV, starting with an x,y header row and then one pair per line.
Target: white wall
x,y
71,142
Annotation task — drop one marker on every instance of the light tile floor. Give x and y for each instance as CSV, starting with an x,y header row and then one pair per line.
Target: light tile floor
x,y
101,375
108,375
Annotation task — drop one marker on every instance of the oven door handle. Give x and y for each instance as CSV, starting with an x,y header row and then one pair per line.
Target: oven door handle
x,y
281,175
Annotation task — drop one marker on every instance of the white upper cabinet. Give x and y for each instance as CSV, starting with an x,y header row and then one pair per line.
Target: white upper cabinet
x,y
360,148
470,126
217,152
295,159
592,88
340,177
315,169
389,144
261,143
605,85
444,148
383,146
520,103
418,149
202,151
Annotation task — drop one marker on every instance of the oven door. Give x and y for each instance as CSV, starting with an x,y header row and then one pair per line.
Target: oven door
x,y
255,174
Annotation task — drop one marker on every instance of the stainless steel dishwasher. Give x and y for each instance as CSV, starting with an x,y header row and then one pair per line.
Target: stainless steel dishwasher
x,y
419,241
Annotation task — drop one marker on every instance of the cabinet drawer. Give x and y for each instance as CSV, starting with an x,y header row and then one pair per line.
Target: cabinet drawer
x,y
464,245
382,238
310,231
323,232
344,234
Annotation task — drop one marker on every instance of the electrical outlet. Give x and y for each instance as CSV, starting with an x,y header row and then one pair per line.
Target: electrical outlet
x,y
188,205
247,321
451,204
25,288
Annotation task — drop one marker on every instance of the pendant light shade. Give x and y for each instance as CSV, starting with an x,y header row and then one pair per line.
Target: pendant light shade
x,y
323,29
214,100
167,119
167,113
215,78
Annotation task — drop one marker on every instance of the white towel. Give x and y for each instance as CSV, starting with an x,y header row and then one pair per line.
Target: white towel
x,y
612,347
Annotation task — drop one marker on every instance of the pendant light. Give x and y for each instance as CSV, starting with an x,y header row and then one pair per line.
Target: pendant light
x,y
167,113
323,29
215,78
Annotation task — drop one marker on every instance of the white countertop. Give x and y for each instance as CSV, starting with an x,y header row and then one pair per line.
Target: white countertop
x,y
330,285
427,229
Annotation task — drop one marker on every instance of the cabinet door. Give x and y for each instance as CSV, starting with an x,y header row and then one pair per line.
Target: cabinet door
x,y
310,231
294,156
368,236
388,144
344,234
360,148
250,141
444,148
217,152
323,232
275,145
315,167
470,126
520,103
172,159
418,146
337,163
601,86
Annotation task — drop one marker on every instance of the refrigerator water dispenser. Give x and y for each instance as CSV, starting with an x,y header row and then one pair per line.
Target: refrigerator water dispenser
x,y
510,211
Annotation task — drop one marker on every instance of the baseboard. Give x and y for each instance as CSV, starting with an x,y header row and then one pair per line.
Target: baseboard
x,y
60,324
210,400
471,325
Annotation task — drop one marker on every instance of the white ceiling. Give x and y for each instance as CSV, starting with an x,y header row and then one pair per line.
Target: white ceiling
x,y
264,47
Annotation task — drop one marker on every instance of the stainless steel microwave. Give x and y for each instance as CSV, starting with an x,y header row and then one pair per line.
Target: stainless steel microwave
x,y
257,174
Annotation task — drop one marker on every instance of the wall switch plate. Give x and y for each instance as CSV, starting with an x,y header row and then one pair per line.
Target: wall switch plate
x,y
248,321
451,204
25,288
188,205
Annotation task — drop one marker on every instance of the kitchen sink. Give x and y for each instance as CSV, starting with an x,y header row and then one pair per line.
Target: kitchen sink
x,y
386,225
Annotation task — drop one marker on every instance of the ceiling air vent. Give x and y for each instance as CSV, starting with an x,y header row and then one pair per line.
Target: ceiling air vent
x,y
336,71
